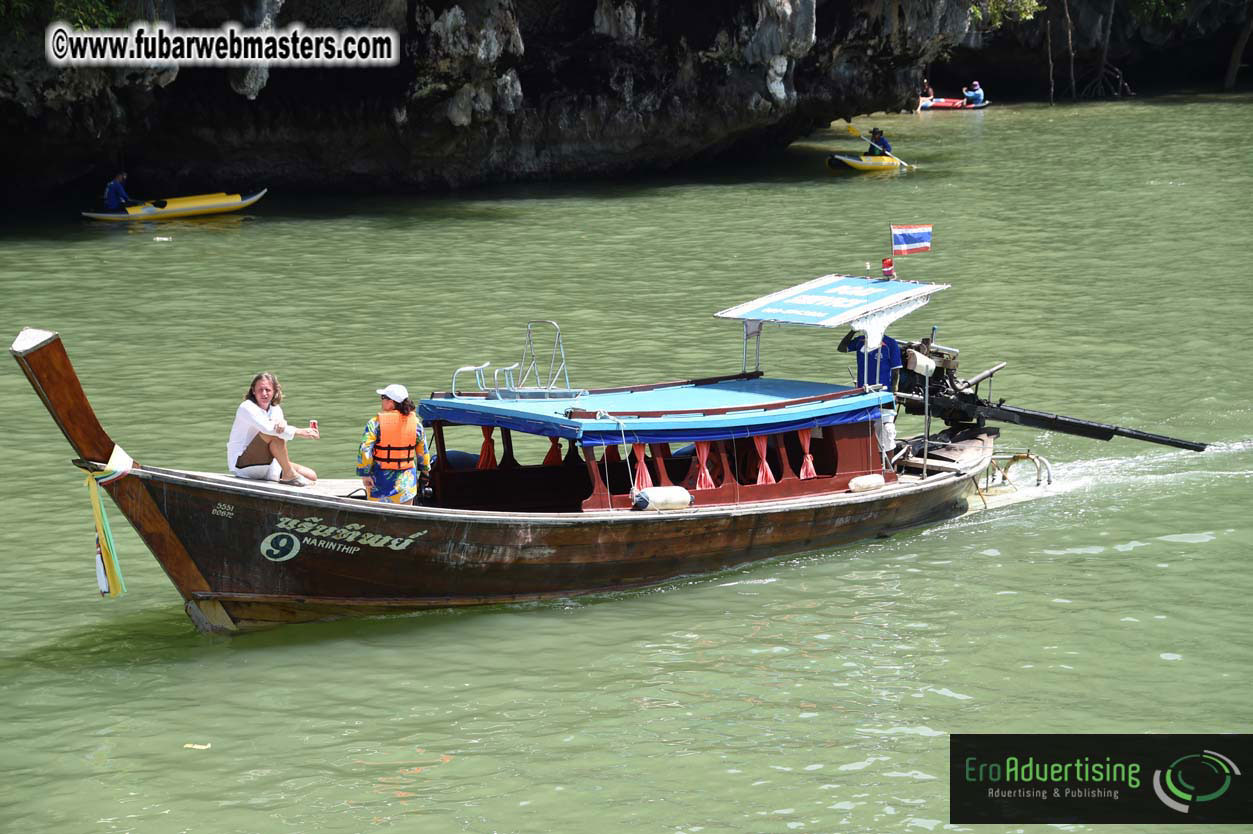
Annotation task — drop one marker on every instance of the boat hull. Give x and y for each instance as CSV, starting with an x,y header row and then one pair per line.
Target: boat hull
x,y
176,207
259,560
950,104
252,554
864,162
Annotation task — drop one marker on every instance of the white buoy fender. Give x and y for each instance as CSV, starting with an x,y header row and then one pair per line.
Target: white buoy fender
x,y
663,498
865,483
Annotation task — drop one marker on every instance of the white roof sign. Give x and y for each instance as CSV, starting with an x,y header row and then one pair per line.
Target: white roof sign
x,y
858,302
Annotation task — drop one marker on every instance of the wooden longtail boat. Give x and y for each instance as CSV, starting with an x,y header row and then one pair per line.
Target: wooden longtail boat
x,y
773,467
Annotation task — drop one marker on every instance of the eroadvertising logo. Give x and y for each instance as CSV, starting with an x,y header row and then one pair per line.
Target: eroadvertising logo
x,y
1209,771
1100,778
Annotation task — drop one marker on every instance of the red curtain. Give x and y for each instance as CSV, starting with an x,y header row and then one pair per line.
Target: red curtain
x,y
553,458
807,460
611,454
764,475
703,481
643,478
487,454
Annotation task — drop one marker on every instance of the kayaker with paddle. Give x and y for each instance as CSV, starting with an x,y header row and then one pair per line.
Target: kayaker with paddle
x,y
925,96
973,94
115,196
879,146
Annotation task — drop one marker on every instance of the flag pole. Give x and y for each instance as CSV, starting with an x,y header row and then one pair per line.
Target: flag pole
x,y
891,251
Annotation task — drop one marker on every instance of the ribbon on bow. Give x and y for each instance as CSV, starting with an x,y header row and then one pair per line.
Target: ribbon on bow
x,y
108,572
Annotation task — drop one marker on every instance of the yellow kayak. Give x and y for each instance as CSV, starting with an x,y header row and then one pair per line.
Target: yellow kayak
x,y
863,162
180,207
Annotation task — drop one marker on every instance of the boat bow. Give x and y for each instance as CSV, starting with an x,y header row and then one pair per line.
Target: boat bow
x,y
43,358
47,366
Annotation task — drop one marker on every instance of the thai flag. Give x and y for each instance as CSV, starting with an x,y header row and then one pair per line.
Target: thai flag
x,y
907,240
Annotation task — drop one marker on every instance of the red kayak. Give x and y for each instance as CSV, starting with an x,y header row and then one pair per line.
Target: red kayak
x,y
949,104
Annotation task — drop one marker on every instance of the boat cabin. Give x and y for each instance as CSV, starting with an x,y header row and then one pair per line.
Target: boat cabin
x,y
726,440
741,438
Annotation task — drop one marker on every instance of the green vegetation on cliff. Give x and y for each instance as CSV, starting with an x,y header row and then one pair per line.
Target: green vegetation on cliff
x,y
82,14
995,12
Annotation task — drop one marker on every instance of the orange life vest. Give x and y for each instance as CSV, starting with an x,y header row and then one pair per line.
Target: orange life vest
x,y
398,440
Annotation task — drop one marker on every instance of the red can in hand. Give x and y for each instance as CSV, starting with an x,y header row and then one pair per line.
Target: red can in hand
x,y
313,424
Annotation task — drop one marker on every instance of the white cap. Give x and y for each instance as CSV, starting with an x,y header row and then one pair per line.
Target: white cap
x,y
394,392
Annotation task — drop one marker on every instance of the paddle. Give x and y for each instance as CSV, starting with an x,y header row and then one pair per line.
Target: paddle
x,y
855,132
157,203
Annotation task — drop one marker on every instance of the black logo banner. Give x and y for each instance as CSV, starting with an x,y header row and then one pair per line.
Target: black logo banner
x,y
1100,778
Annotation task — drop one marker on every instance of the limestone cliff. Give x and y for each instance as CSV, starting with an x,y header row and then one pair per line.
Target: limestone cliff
x,y
485,91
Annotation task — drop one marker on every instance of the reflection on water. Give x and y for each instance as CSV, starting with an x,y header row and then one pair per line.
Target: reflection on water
x,y
811,693
187,225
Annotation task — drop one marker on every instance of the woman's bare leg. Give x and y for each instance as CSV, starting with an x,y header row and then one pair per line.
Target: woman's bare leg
x,y
309,474
278,448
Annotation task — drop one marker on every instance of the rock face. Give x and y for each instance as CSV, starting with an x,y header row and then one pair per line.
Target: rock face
x,y
1190,52
484,91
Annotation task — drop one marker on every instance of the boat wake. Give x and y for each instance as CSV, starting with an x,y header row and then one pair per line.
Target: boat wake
x,y
1150,472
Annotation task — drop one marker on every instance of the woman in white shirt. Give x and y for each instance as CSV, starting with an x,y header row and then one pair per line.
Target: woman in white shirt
x,y
258,445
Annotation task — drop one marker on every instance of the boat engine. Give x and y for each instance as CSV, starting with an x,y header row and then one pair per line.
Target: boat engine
x,y
930,372
929,381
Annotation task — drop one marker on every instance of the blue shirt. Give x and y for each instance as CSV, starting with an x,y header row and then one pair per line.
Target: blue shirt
x,y
889,350
115,196
974,96
882,143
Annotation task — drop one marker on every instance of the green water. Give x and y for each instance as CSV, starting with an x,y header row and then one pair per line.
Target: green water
x,y
809,694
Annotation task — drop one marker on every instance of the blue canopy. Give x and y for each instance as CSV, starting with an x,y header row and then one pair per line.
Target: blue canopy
x,y
671,413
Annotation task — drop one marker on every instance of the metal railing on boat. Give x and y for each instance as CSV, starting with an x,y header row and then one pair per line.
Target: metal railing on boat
x,y
478,376
543,381
556,361
509,381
